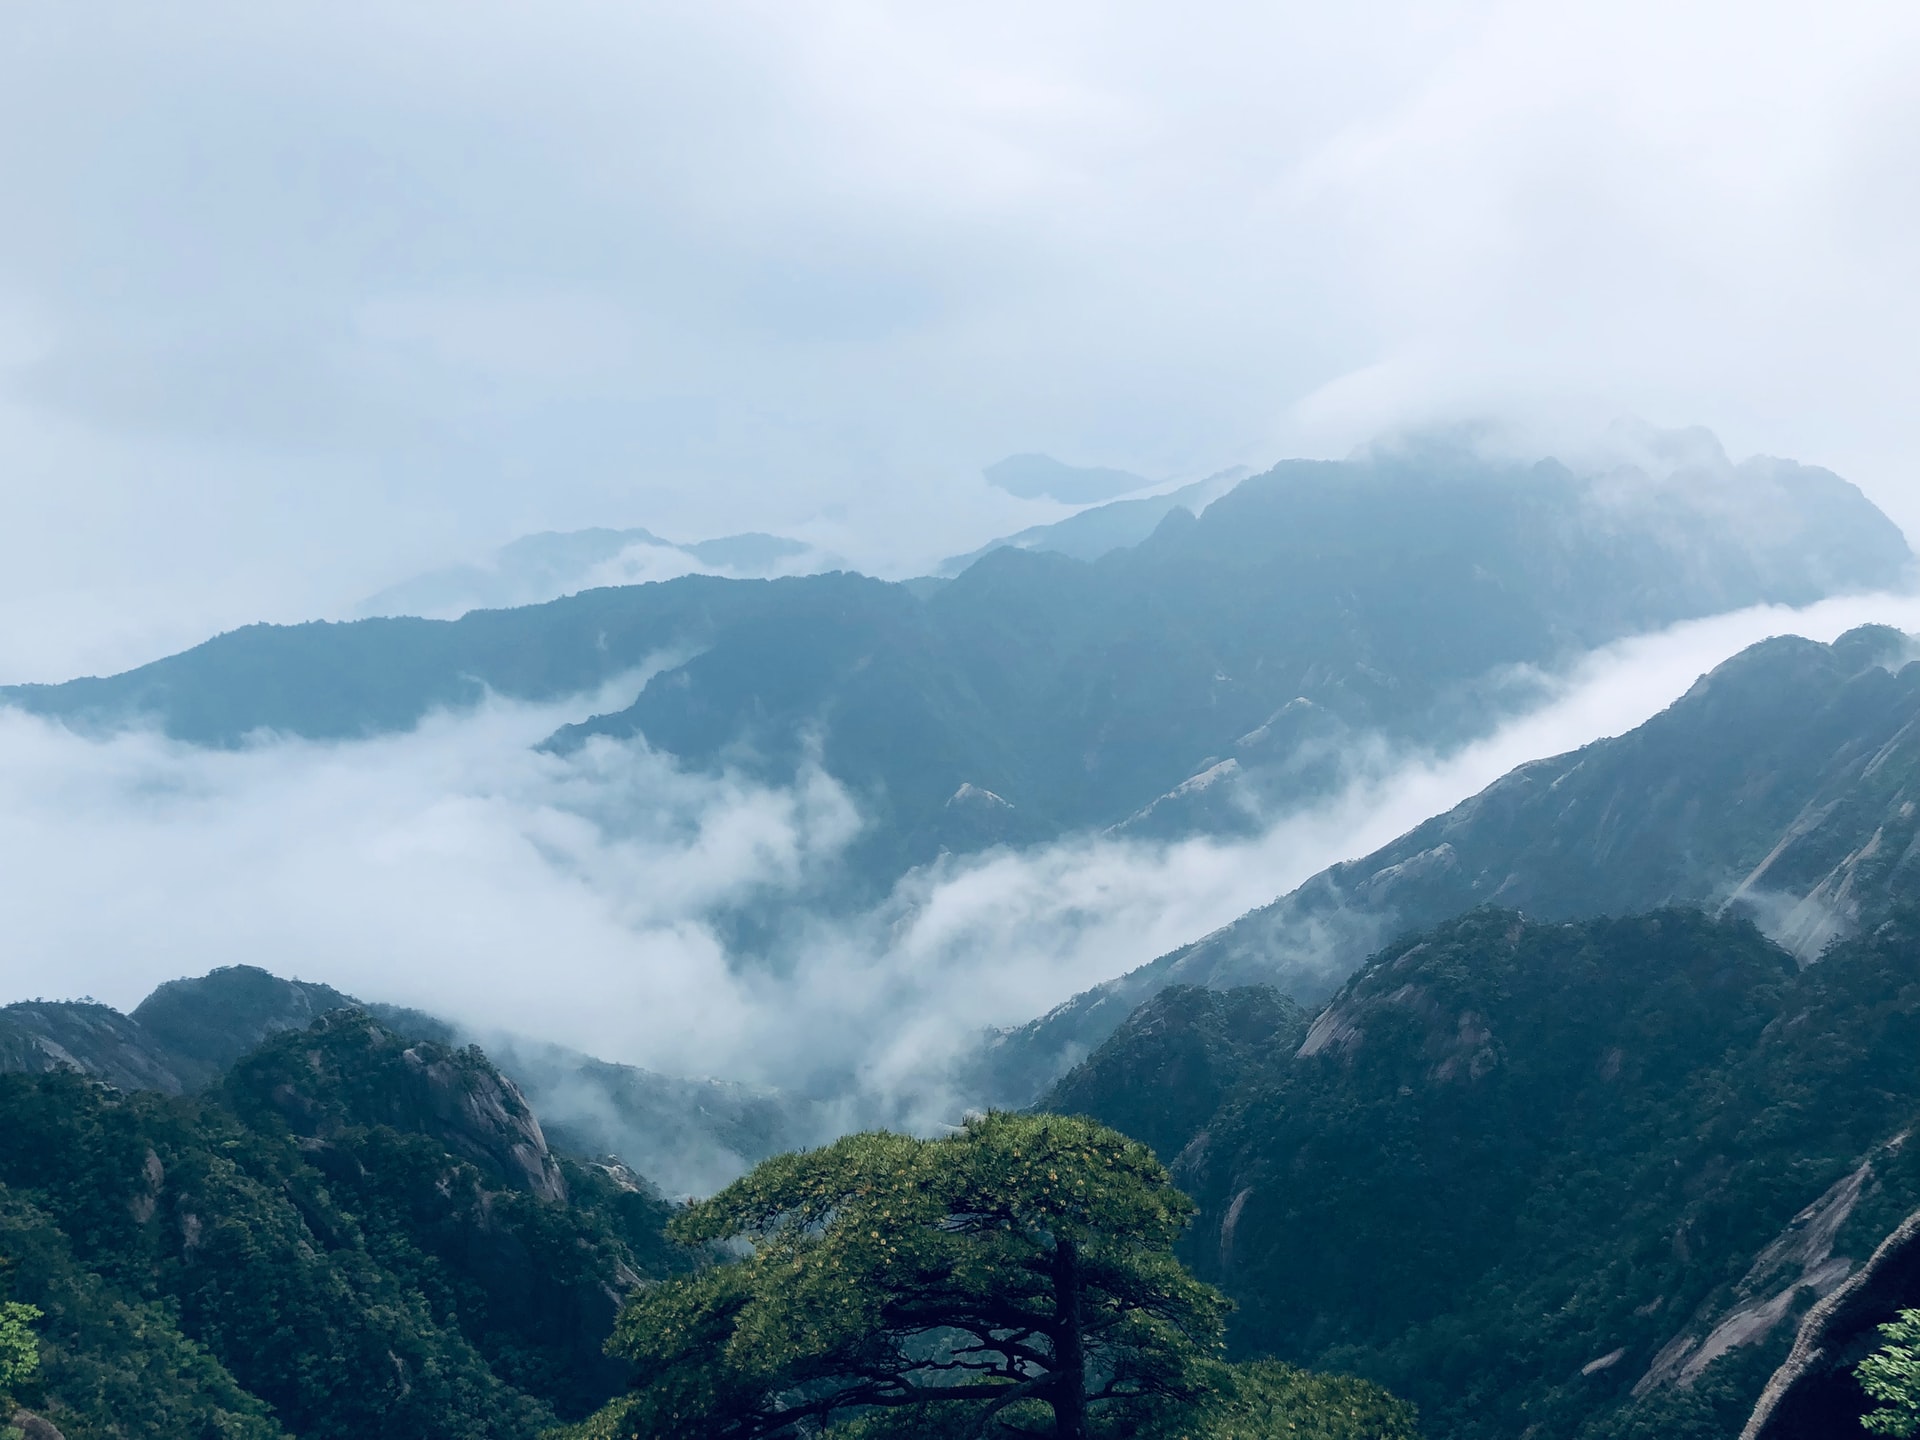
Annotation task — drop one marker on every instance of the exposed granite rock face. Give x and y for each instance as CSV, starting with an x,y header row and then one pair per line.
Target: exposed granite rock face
x,y
39,1036
480,1114
348,1070
1814,1396
689,1137
35,1427
1799,1262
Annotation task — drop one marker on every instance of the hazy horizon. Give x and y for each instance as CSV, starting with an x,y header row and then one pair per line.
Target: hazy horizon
x,y
295,304
299,304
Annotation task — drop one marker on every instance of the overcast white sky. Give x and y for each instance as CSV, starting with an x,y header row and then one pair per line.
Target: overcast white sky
x,y
297,299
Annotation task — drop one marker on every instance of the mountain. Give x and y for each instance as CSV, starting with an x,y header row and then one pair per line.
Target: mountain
x,y
325,681
1100,529
186,1034
1393,595
1388,595
1036,477
689,1137
1173,1062
40,1037
546,566
204,1025
1785,782
1814,1394
350,1235
1571,1179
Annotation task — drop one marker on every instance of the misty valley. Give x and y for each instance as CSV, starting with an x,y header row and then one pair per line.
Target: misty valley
x,y
1423,945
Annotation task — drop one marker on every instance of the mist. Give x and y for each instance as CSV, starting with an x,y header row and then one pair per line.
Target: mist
x,y
296,302
572,899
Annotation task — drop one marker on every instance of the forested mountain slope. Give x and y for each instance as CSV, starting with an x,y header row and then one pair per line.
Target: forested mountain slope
x,y
350,1235
686,1136
1546,1179
39,1037
1392,593
327,681
1388,594
1786,781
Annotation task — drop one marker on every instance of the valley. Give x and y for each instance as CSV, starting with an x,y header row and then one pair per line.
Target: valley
x,y
836,721
1556,1115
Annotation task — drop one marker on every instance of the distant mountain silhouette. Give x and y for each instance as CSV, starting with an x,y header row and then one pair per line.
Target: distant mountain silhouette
x,y
537,568
1208,674
1035,477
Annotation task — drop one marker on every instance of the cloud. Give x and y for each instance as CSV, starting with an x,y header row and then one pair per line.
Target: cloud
x,y
457,869
296,301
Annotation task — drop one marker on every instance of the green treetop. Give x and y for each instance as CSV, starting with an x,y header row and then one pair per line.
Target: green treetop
x,y
1891,1375
1019,1270
19,1350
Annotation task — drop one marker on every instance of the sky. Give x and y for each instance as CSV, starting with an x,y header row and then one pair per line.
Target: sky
x,y
299,300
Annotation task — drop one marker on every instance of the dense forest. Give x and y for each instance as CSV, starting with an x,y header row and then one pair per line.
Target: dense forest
x,y
1568,1179
348,1235
1582,1179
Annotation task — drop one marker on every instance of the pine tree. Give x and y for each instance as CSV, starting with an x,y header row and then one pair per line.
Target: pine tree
x,y
1891,1375
1016,1274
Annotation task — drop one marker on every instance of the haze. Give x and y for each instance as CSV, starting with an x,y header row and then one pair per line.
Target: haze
x,y
296,301
456,869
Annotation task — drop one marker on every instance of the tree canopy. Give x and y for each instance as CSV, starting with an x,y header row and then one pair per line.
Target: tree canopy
x,y
1018,1270
1891,1376
19,1350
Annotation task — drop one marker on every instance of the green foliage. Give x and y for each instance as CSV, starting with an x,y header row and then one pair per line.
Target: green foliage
x,y
1891,1375
1518,1148
19,1350
380,1274
111,1364
1257,1400
1169,1067
204,1025
1266,1400
1021,1259
1756,767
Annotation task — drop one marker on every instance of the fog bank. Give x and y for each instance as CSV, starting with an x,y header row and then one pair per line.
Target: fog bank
x,y
456,869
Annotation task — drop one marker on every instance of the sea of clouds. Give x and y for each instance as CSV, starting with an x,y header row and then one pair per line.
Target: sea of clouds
x,y
458,869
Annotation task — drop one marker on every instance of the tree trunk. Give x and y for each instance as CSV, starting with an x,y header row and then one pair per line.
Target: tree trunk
x,y
1069,1353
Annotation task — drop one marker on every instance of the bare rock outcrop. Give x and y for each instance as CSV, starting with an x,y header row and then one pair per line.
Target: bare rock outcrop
x,y
1814,1395
349,1070
1799,1260
41,1036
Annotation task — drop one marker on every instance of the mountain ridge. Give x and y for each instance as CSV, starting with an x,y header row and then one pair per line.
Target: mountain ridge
x,y
1786,780
1399,594
686,1136
1553,1178
350,1234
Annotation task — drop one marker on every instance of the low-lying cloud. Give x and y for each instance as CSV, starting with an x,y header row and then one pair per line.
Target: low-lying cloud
x,y
457,869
